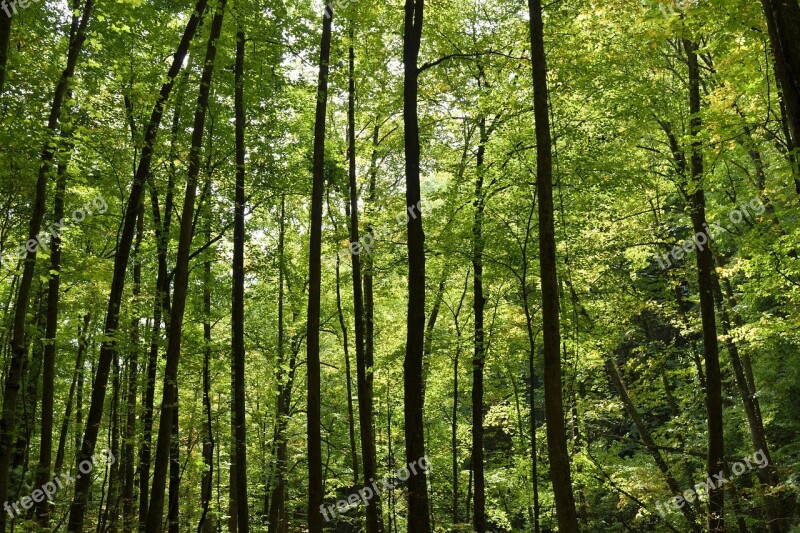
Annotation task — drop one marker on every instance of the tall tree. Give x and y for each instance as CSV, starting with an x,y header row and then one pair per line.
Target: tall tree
x,y
363,367
237,316
553,397
705,272
413,386
313,404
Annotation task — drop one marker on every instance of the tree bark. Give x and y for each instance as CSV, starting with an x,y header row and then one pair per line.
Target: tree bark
x,y
313,404
349,382
553,400
18,341
705,271
169,403
783,23
237,316
479,358
48,363
206,526
418,506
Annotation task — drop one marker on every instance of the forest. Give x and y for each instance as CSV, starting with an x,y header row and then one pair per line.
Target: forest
x,y
357,266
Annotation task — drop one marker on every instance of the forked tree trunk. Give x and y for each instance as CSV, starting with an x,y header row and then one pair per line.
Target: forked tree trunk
x,y
313,404
108,349
169,402
553,398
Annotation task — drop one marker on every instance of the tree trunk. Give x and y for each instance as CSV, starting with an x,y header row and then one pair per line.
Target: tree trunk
x,y
170,395
705,270
62,440
349,382
674,487
783,23
48,370
364,368
108,348
128,510
479,358
206,526
313,407
237,316
418,506
5,38
553,401
18,341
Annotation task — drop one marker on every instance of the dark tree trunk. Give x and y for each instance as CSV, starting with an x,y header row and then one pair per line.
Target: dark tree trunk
x,y
18,342
705,271
237,316
48,363
173,513
128,454
206,526
418,506
553,400
364,368
169,403
783,23
479,357
313,407
5,38
108,349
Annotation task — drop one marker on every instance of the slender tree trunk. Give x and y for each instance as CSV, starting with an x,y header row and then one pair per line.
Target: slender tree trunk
x,y
173,512
705,270
5,38
48,370
313,407
18,341
364,368
62,440
277,513
129,462
418,506
675,487
108,348
170,396
237,316
206,525
554,405
349,382
479,358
